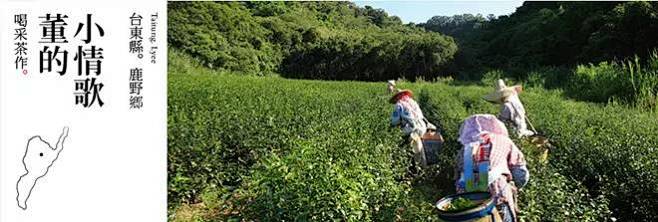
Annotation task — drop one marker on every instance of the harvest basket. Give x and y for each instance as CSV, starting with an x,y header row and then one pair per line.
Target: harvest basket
x,y
432,144
484,211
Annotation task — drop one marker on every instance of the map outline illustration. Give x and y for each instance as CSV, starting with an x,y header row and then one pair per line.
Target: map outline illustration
x,y
59,146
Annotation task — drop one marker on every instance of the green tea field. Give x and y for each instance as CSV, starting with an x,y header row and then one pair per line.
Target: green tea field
x,y
246,148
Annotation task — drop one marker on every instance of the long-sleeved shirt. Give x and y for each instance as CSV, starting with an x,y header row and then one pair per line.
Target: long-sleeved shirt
x,y
513,111
488,136
407,114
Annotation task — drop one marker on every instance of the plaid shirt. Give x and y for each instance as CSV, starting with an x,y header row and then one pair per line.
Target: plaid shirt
x,y
498,149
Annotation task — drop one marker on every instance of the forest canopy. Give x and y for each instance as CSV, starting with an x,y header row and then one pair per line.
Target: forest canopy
x,y
606,46
318,40
541,34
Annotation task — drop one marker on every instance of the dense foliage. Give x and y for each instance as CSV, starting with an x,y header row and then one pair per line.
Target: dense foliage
x,y
340,41
270,148
610,150
286,153
245,148
552,195
628,81
596,51
318,40
556,33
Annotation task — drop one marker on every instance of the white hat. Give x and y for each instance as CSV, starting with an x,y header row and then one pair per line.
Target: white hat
x,y
501,92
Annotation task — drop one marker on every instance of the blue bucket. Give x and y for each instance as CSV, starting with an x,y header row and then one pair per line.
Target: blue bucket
x,y
484,209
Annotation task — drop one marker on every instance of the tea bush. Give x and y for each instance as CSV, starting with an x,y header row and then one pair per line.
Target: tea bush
x,y
612,150
550,195
251,148
314,154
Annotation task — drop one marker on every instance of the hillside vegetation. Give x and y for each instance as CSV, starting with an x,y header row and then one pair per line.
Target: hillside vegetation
x,y
595,51
566,45
275,149
278,112
311,40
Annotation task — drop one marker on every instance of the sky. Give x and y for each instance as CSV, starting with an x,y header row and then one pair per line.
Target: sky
x,y
421,11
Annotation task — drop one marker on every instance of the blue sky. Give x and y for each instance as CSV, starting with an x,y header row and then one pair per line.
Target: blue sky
x,y
421,11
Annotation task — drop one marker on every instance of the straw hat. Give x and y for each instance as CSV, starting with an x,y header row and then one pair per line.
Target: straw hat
x,y
391,86
400,94
501,92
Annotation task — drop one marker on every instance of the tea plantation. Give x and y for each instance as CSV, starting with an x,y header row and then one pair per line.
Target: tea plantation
x,y
271,149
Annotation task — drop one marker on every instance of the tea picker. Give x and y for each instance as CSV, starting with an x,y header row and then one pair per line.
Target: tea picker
x,y
490,169
513,112
421,134
390,85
